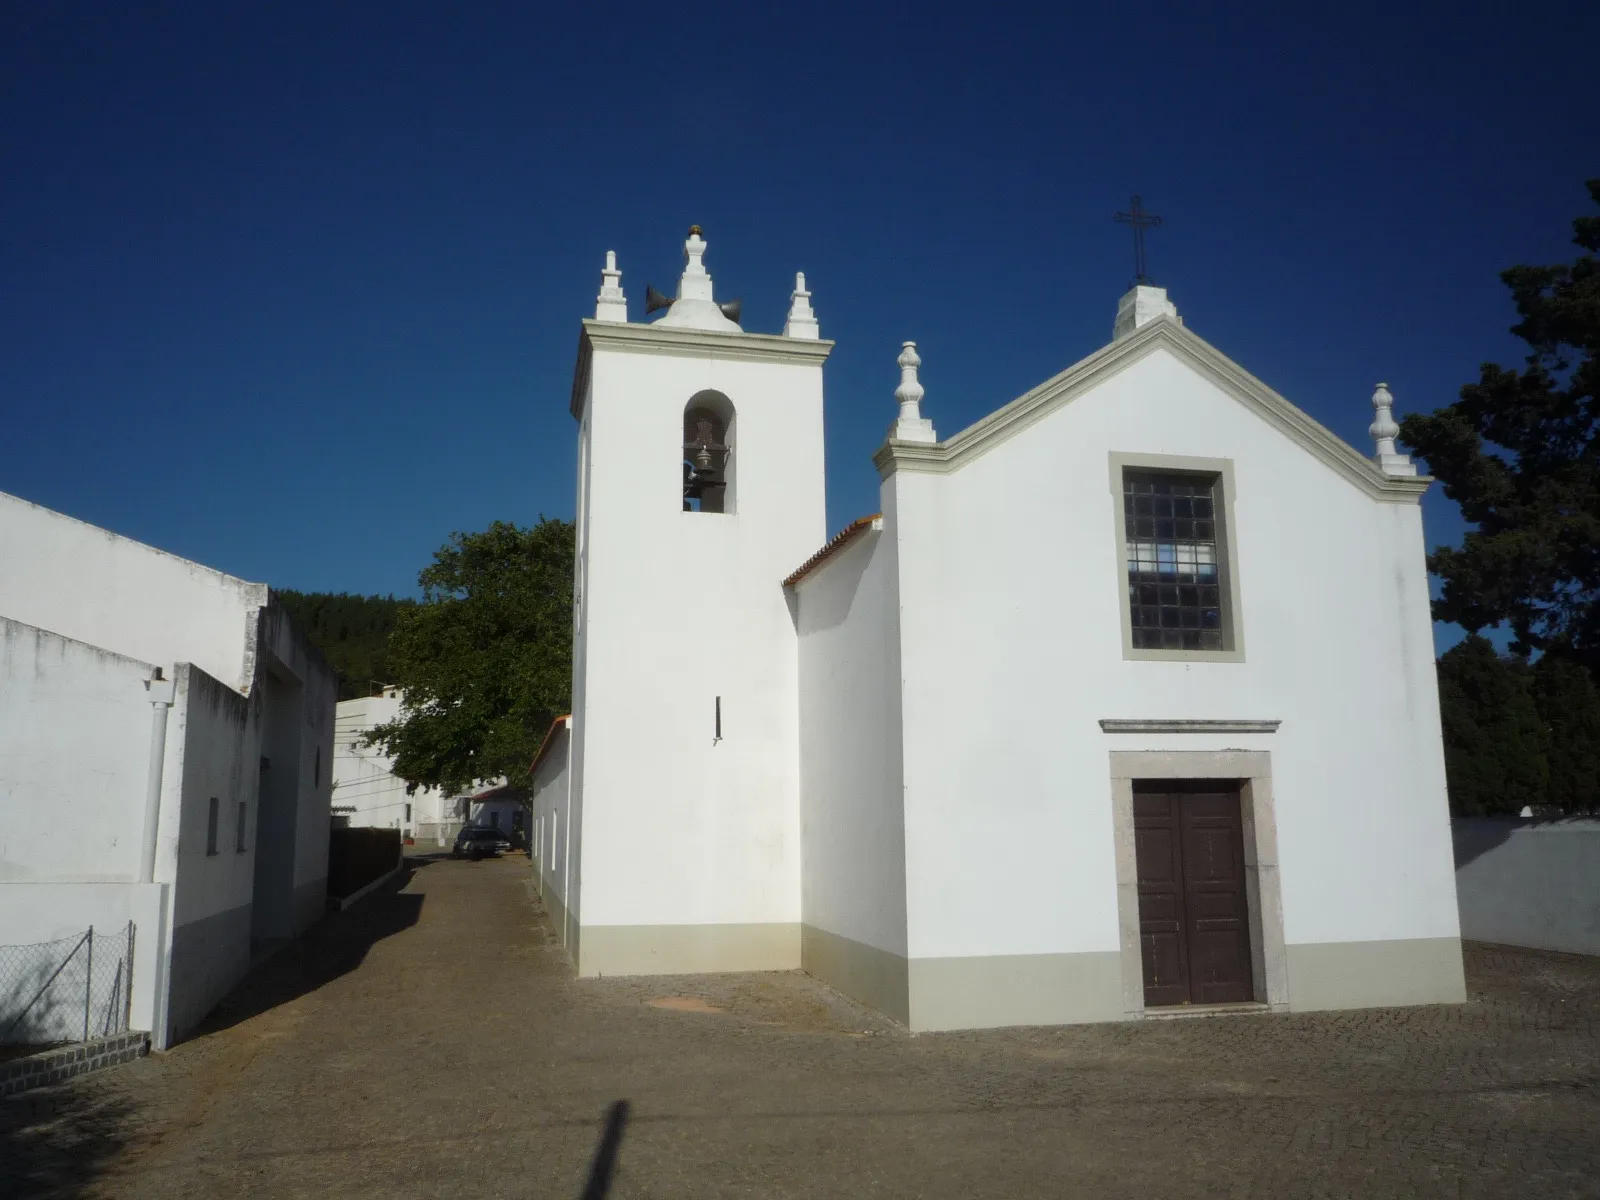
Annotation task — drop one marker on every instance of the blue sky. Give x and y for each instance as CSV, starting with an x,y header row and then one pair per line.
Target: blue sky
x,y
293,289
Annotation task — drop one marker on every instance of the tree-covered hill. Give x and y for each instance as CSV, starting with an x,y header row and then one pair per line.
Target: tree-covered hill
x,y
351,631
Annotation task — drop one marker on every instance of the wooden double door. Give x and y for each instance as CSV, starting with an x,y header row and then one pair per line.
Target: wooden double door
x,y
1194,919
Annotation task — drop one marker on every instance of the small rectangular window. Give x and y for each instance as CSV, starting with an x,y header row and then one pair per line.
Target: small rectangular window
x,y
238,842
212,809
494,820
408,814
1179,600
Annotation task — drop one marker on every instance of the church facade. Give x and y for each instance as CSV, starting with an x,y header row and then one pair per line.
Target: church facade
x,y
1124,703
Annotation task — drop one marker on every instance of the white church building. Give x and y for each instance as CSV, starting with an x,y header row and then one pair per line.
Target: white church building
x,y
1124,702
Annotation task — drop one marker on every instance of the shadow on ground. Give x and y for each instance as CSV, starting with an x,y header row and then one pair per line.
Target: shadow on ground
x,y
334,946
56,1143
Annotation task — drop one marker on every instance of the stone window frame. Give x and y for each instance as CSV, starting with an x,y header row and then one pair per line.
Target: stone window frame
x,y
1220,469
1252,770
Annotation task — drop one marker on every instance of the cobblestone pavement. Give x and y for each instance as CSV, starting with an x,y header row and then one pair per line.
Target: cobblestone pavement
x,y
431,1042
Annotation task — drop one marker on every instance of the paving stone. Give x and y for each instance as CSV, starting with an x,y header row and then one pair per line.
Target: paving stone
x,y
432,1042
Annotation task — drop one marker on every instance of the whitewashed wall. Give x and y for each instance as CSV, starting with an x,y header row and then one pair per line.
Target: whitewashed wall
x,y
1530,882
679,608
852,819
75,726
90,584
218,737
556,834
364,779
1012,653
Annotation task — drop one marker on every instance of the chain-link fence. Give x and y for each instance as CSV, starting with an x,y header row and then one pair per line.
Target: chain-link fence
x,y
68,990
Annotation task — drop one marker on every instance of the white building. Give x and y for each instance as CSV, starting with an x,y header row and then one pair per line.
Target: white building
x,y
367,793
165,747
1125,700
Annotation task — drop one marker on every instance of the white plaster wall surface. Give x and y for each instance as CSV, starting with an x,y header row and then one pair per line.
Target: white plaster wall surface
x,y
681,608
852,822
499,814
87,583
1530,883
1012,586
35,912
75,726
220,740
552,813
363,776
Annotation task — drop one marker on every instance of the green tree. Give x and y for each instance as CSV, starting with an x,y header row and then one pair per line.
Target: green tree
x,y
1494,740
1518,452
485,659
351,631
1569,706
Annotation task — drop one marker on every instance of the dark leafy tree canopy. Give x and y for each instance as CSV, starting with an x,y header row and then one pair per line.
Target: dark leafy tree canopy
x,y
351,631
485,659
1519,453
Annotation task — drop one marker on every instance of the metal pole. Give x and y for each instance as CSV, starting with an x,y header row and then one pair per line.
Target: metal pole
x,y
88,986
127,996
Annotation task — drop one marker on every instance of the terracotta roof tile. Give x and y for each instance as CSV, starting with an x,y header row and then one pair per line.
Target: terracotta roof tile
x,y
835,544
549,740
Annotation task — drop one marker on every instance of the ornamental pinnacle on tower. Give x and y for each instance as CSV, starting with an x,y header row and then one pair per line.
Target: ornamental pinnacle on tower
x,y
911,426
611,304
694,307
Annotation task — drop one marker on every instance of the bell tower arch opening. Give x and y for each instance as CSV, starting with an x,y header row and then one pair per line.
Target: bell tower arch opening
x,y
708,454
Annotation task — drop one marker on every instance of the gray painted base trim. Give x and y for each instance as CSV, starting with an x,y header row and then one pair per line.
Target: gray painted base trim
x,y
1186,725
561,922
1015,989
688,949
209,956
340,903
310,903
875,977
1375,974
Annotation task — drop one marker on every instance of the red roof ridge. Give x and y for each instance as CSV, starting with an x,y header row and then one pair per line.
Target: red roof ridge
x,y
549,740
834,545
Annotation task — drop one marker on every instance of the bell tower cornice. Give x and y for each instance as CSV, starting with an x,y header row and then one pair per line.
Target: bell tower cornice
x,y
688,343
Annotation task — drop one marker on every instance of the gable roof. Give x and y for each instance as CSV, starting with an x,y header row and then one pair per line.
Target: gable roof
x,y
1163,333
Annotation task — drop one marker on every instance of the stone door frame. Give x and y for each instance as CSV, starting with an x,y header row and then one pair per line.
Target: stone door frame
x,y
1252,769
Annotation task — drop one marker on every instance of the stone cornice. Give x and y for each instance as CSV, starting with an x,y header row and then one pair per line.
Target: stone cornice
x,y
687,343
1162,333
1185,725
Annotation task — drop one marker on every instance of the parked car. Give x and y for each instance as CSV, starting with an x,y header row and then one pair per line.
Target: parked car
x,y
476,841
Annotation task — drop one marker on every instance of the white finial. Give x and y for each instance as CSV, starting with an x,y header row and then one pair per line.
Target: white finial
x,y
912,425
1384,431
611,304
802,322
695,283
695,308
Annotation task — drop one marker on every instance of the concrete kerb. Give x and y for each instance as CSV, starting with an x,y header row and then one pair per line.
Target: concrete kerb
x,y
340,903
65,1062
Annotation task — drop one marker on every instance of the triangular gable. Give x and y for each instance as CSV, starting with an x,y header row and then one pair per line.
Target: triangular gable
x,y
1162,333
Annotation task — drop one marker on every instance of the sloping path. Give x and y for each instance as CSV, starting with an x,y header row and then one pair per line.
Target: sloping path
x,y
431,1042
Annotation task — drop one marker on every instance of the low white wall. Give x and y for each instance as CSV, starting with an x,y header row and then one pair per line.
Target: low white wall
x,y
43,912
552,834
852,828
88,583
1529,883
74,756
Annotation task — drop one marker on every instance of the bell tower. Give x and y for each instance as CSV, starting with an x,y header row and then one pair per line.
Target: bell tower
x,y
700,487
